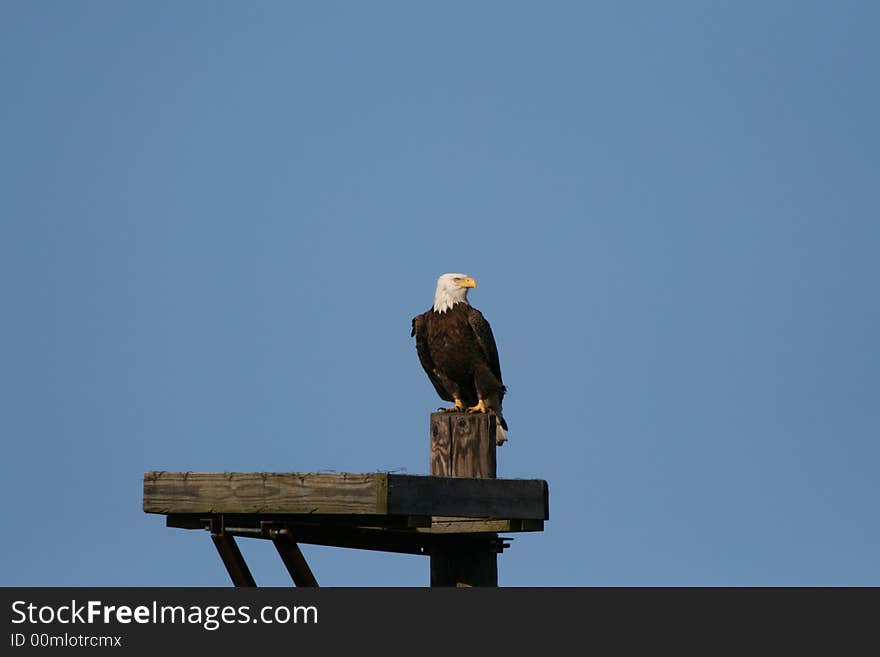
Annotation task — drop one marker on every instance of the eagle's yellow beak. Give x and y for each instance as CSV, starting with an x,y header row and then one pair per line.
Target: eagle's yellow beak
x,y
468,282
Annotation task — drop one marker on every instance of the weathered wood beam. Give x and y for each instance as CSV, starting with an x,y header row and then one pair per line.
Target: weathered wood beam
x,y
254,524
519,499
255,520
377,494
361,538
265,492
442,525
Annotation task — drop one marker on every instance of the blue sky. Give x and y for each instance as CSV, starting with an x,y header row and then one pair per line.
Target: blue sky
x,y
217,219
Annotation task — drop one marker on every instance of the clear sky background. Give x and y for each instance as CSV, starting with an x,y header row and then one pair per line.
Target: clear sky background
x,y
217,220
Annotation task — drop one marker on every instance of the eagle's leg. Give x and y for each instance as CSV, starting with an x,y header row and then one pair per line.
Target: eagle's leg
x,y
479,408
459,406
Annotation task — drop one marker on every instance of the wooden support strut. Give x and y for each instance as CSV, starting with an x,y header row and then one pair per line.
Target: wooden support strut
x,y
463,445
294,560
233,559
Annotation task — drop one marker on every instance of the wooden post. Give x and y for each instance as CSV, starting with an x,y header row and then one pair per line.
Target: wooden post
x,y
463,445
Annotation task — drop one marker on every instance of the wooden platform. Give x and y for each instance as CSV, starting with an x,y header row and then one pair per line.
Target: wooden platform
x,y
376,511
454,516
375,494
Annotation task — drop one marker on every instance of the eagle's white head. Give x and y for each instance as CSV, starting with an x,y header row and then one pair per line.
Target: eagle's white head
x,y
452,289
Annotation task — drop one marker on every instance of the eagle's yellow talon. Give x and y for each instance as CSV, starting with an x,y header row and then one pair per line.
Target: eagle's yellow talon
x,y
479,408
459,406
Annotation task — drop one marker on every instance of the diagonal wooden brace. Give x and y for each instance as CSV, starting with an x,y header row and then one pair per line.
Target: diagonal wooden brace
x,y
294,560
233,559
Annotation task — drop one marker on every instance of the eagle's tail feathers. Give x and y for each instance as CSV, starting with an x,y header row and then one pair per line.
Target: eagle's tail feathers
x,y
500,433
500,423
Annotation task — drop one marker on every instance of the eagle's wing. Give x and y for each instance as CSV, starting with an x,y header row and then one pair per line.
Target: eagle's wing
x,y
420,332
483,333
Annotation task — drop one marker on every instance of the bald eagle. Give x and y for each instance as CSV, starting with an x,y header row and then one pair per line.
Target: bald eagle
x,y
457,350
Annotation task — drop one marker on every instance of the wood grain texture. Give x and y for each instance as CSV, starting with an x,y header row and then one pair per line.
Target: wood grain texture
x,y
463,445
441,444
375,494
473,445
264,492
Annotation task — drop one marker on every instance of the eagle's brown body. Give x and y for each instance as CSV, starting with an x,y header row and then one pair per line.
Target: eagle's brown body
x,y
458,352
